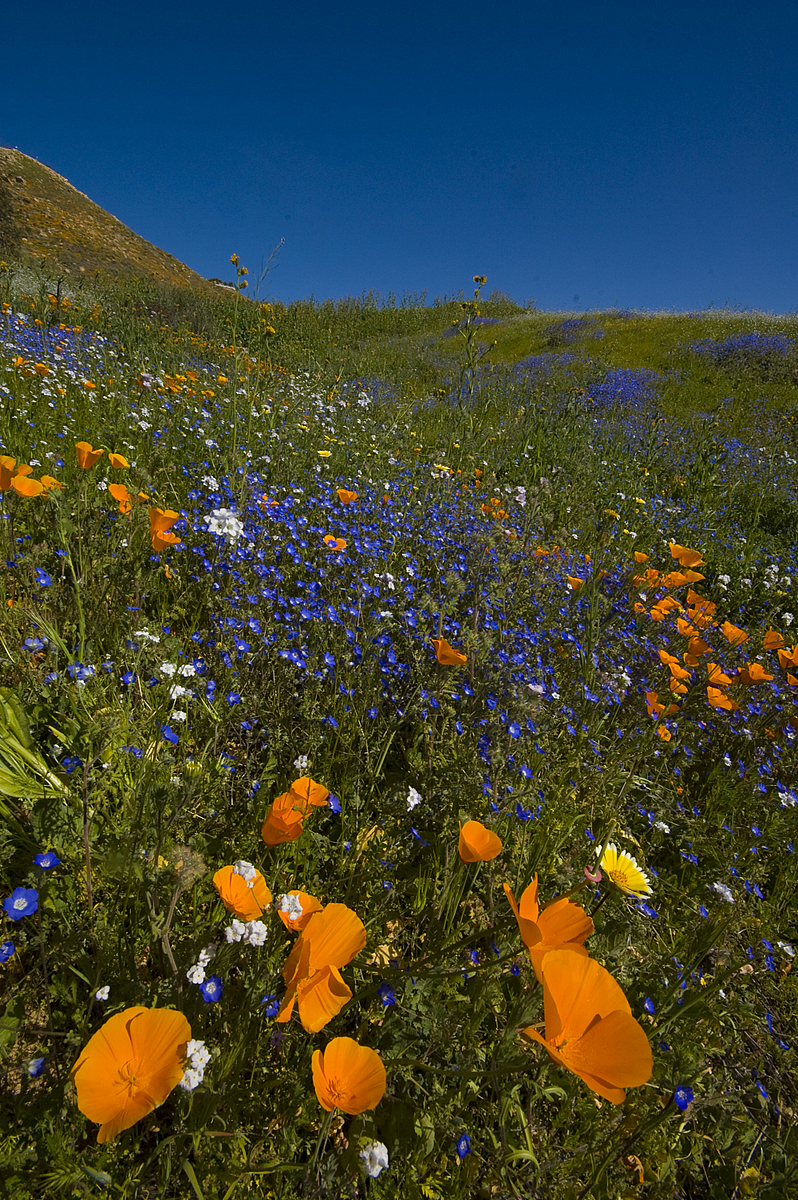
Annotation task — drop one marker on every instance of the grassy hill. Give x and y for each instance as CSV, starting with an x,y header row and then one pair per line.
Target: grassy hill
x,y
44,219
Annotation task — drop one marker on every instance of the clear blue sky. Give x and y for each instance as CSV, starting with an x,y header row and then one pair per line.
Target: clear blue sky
x,y
585,156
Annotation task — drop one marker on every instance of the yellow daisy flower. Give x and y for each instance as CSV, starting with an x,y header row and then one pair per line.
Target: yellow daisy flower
x,y
624,872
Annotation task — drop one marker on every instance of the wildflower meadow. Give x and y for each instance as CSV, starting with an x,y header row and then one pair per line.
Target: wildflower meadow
x,y
398,733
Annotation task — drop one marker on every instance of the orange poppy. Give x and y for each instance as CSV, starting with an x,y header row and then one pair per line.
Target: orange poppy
x,y
789,658
719,699
478,844
26,487
7,471
661,609
48,483
574,582
446,655
346,497
331,939
686,557
246,898
161,540
122,496
560,925
734,635
752,673
118,461
717,676
348,1076
130,1066
773,640
590,1029
309,905
87,457
162,519
656,709
640,557
334,543
283,821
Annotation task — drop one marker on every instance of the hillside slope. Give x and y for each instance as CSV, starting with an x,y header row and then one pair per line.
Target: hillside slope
x,y
44,218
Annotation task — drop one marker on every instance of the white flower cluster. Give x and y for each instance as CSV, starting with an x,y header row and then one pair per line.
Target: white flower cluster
x,y
196,974
197,1059
723,891
246,870
301,763
291,907
224,522
251,933
374,1157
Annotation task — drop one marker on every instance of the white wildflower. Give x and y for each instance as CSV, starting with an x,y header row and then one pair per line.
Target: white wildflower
x,y
301,763
374,1157
246,870
413,799
235,931
196,974
291,907
102,993
205,956
187,670
168,669
224,522
723,891
256,933
787,948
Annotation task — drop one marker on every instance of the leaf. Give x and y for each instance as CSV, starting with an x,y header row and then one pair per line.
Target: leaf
x,y
23,770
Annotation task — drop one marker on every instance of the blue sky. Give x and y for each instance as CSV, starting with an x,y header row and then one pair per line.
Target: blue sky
x,y
584,157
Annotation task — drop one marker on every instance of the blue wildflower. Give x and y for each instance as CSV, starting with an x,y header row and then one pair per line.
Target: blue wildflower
x,y
47,861
386,995
463,1146
42,578
36,1067
6,950
334,804
682,1097
211,989
168,734
648,1005
272,1005
21,903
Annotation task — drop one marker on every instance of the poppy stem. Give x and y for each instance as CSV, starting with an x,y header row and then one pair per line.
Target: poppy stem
x,y
321,1142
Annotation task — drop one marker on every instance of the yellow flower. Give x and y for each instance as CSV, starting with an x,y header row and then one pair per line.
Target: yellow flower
x,y
324,453
624,871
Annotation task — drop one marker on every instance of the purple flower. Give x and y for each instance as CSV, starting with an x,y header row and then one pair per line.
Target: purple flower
x,y
47,861
21,903
682,1097
211,989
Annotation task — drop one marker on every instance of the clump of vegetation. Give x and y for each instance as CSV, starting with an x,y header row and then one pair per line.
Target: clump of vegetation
x,y
397,750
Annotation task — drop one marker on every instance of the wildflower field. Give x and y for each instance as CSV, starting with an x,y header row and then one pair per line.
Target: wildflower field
x,y
398,733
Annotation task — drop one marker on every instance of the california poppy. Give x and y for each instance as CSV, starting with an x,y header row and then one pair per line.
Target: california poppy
x,y
119,492
49,483
718,699
478,844
590,1029
24,486
243,891
7,464
164,538
334,543
130,1066
752,673
788,658
118,461
331,939
346,497
87,457
348,1076
283,821
773,640
733,634
560,924
446,655
162,519
686,557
